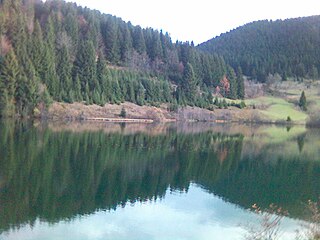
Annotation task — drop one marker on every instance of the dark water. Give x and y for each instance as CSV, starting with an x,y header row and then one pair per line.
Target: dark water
x,y
111,181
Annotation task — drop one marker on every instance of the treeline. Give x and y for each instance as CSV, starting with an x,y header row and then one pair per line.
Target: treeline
x,y
287,47
55,50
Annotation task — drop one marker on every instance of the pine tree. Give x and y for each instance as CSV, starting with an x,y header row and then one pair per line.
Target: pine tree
x,y
240,82
231,76
85,66
189,86
140,94
77,89
36,48
96,98
64,70
10,72
156,47
303,101
167,96
116,91
112,41
27,92
131,93
126,43
101,74
48,70
138,40
46,98
71,25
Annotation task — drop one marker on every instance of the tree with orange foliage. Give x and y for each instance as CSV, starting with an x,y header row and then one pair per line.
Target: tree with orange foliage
x,y
224,85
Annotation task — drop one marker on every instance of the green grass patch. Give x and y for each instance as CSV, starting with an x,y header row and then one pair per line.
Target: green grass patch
x,y
277,109
266,100
280,112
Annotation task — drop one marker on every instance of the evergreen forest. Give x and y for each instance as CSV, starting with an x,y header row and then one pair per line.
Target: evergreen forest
x,y
289,48
58,51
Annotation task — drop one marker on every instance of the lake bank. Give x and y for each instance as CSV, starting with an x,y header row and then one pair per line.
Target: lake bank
x,y
162,114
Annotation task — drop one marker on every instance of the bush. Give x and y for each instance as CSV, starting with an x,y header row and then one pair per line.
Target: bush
x,y
123,113
242,105
173,107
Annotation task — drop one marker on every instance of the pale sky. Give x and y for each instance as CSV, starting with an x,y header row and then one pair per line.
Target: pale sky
x,y
201,20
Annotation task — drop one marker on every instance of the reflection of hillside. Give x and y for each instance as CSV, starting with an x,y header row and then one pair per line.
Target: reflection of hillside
x,y
266,133
57,175
304,146
59,172
289,184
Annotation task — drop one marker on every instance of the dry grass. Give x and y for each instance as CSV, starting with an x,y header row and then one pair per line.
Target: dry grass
x,y
261,109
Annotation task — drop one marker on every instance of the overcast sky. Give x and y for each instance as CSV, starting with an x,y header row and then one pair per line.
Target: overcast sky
x,y
201,20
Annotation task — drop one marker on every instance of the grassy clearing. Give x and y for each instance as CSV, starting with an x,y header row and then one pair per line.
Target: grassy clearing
x,y
277,109
280,112
266,100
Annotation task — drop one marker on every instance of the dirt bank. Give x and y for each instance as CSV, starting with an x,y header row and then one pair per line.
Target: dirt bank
x,y
60,111
135,113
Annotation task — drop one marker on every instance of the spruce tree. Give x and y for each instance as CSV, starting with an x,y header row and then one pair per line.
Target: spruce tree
x,y
27,92
112,41
240,82
231,76
189,85
10,72
48,70
126,43
85,66
77,93
303,101
156,47
140,94
36,48
138,40
64,70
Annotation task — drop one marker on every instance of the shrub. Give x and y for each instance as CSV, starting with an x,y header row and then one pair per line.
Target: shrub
x,y
242,104
123,113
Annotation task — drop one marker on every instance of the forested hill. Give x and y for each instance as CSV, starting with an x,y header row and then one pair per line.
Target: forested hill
x,y
59,51
288,47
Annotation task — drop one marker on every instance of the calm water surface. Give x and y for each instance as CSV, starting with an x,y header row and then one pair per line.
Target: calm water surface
x,y
187,181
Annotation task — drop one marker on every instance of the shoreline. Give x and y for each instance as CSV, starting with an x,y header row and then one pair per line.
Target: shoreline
x,y
150,114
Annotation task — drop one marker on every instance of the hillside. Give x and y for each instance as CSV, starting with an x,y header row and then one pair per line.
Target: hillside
x,y
83,62
58,51
287,47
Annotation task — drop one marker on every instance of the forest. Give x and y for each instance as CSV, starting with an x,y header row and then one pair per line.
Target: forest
x,y
58,51
289,48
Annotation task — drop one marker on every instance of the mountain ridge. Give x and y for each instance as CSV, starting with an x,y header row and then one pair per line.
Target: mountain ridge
x,y
288,47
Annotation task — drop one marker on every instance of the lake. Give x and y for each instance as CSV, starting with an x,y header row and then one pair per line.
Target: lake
x,y
133,181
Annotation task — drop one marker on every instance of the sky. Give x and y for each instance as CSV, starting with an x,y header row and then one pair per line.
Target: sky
x,y
201,20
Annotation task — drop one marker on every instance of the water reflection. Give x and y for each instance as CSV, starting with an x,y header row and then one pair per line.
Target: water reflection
x,y
60,172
